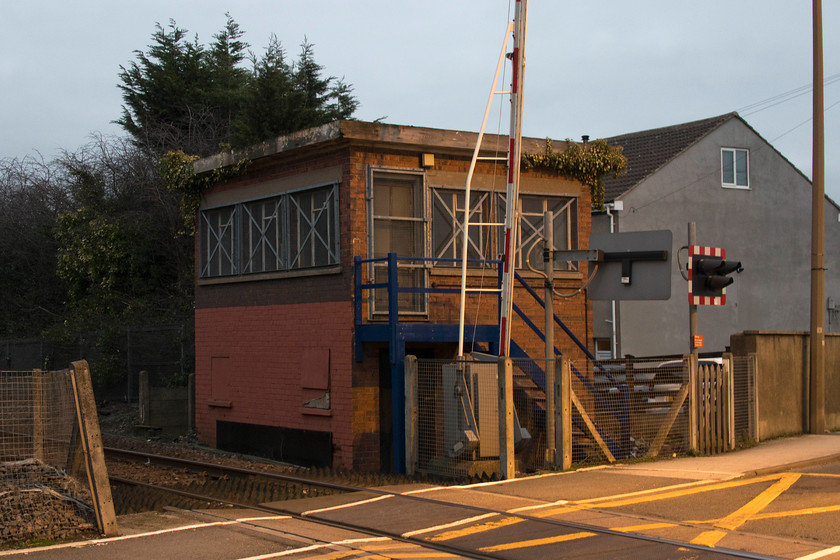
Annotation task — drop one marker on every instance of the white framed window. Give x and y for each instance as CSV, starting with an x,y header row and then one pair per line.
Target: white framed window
x,y
291,231
735,168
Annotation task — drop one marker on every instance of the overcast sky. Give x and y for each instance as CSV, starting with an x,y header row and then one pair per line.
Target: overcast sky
x,y
598,68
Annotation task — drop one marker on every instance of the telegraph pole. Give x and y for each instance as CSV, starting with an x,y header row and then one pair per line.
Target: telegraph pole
x,y
816,415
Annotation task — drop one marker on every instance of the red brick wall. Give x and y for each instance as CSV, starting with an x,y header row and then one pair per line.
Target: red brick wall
x,y
260,383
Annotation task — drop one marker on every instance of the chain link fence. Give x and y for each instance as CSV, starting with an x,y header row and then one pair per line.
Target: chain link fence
x,y
167,352
44,490
620,410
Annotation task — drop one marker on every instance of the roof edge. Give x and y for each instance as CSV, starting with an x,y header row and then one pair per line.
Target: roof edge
x,y
415,137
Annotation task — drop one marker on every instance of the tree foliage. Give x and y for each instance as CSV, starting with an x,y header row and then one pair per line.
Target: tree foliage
x,y
181,95
121,253
95,239
32,194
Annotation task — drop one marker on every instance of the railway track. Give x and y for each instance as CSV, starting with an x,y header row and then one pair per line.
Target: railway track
x,y
214,486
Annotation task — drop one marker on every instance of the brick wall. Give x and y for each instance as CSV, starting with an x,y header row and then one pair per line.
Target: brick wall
x,y
249,368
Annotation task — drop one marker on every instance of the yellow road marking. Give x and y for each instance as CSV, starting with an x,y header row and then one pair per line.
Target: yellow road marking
x,y
647,527
740,516
708,538
747,511
450,525
537,542
422,554
504,522
645,496
794,512
393,549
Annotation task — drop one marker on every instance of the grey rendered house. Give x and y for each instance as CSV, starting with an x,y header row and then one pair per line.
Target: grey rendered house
x,y
745,197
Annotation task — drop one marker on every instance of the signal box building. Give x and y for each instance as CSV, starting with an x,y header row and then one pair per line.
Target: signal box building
x,y
333,256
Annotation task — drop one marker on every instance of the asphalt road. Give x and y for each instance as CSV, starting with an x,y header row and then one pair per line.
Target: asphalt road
x,y
792,514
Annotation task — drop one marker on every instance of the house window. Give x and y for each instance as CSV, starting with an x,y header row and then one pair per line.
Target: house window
x,y
735,168
398,226
292,231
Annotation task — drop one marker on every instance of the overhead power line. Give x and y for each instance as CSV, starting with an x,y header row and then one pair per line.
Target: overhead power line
x,y
783,97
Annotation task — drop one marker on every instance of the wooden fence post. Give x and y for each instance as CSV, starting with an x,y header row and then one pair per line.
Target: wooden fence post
x,y
563,403
507,457
39,413
693,402
411,412
91,440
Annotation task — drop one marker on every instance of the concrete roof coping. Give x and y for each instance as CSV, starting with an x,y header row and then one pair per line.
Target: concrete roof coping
x,y
372,133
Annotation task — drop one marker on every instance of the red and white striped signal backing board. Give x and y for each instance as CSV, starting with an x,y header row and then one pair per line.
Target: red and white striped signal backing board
x,y
700,251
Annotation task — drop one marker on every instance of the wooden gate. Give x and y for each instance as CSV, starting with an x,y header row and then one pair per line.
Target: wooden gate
x,y
715,408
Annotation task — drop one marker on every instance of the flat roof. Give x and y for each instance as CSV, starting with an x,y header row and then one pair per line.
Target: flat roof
x,y
372,133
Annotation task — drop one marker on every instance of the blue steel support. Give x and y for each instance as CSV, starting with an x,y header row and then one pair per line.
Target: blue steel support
x,y
357,306
397,355
557,319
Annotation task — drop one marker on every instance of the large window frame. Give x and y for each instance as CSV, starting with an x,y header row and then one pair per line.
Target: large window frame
x,y
287,232
485,241
397,223
735,168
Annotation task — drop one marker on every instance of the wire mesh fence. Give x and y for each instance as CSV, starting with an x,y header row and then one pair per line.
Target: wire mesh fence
x,y
621,409
630,409
165,351
44,491
745,400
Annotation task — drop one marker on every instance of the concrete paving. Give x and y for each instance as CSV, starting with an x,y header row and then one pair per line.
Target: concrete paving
x,y
766,457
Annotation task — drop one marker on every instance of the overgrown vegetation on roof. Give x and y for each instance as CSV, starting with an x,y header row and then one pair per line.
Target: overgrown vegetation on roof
x,y
589,163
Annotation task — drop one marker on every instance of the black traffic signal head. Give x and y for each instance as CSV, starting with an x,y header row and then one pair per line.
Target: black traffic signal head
x,y
710,276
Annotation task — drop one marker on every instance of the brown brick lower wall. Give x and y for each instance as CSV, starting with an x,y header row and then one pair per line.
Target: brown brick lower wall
x,y
251,363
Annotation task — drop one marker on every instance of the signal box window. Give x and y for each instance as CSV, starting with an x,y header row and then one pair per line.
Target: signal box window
x,y
398,226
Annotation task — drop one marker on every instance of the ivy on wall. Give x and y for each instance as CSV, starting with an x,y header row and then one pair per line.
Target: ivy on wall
x,y
588,163
176,169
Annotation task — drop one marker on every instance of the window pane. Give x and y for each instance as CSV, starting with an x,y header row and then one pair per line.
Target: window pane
x,y
411,302
262,249
396,196
727,165
217,240
400,237
532,229
448,221
313,238
741,168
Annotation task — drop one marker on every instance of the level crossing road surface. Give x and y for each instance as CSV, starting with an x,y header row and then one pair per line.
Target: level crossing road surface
x,y
780,499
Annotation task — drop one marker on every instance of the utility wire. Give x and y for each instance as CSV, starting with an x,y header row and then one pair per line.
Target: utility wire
x,y
783,97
